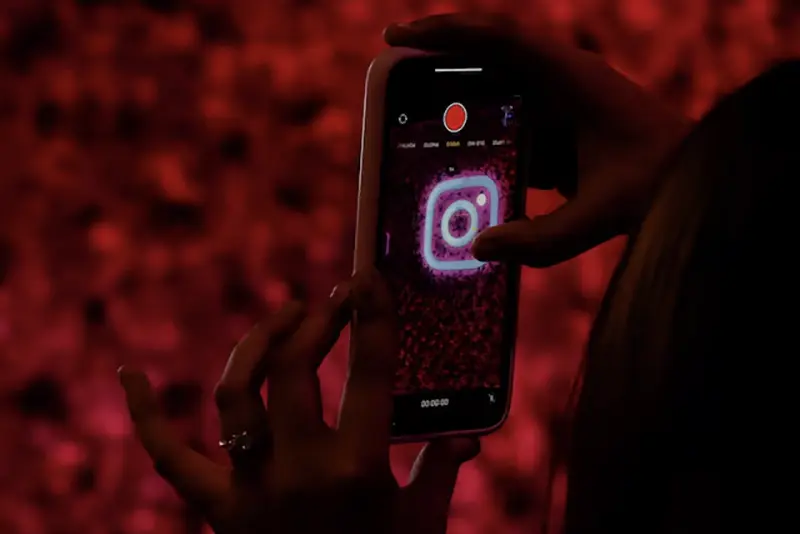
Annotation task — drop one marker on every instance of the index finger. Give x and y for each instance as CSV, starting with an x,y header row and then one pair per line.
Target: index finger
x,y
196,478
365,418
293,392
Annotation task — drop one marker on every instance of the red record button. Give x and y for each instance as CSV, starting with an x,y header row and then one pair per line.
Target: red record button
x,y
455,117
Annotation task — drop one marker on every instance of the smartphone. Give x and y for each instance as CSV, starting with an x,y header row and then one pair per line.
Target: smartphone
x,y
441,162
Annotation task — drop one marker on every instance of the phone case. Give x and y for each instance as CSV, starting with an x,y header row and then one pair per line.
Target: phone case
x,y
372,153
372,141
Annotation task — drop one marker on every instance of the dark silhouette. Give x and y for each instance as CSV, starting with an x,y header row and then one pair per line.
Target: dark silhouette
x,y
691,306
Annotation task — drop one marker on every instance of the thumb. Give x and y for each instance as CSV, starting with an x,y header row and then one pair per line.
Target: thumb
x,y
575,227
433,479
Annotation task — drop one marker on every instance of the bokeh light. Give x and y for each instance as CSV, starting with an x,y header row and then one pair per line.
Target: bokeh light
x,y
171,170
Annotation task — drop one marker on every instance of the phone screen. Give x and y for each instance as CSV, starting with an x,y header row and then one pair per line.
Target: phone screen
x,y
450,170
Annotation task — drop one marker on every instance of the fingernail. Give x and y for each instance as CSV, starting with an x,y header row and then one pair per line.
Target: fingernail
x,y
124,377
481,248
122,374
398,30
341,293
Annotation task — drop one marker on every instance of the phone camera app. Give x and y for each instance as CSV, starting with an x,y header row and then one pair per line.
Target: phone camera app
x,y
456,211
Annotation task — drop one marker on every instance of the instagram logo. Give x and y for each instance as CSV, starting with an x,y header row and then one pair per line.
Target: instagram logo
x,y
456,211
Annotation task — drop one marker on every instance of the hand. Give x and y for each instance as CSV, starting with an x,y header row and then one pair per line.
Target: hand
x,y
622,135
290,473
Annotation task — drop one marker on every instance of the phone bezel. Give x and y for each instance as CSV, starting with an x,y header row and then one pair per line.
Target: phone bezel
x,y
374,134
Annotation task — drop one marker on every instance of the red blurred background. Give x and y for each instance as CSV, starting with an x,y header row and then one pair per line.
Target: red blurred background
x,y
173,169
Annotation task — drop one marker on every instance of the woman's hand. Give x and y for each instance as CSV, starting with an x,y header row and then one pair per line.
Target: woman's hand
x,y
290,473
622,134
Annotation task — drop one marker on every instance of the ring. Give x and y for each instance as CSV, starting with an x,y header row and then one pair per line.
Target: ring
x,y
239,442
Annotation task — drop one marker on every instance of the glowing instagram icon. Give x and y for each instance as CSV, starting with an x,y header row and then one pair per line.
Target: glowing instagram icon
x,y
456,211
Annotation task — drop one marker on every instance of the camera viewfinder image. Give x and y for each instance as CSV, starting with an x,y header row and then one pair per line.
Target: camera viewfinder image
x,y
435,200
456,211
